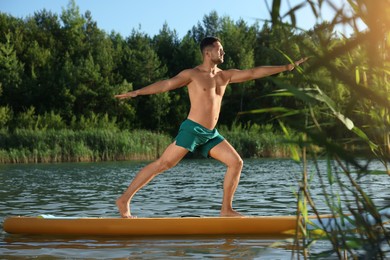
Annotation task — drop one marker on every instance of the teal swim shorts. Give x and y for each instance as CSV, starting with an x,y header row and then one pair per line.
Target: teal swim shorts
x,y
194,136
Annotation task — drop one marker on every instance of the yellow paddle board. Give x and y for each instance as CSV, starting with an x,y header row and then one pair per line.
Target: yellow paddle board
x,y
263,225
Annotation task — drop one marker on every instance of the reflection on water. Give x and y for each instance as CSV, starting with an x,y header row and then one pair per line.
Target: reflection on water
x,y
147,248
194,187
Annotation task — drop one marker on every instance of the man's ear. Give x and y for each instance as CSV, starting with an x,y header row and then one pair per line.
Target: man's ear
x,y
207,52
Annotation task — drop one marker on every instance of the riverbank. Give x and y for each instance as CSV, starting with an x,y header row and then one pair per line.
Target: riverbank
x,y
92,145
43,146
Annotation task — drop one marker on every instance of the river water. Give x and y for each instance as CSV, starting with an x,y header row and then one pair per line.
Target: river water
x,y
194,187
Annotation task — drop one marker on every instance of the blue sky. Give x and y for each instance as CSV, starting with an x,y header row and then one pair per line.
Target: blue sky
x,y
123,16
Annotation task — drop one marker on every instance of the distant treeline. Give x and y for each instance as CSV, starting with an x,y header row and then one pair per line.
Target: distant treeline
x,y
64,65
60,72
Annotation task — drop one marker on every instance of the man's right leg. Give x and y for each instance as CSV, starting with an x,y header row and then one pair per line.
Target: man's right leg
x,y
171,156
226,154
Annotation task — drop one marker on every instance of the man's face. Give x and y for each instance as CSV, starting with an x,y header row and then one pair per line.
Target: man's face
x,y
217,53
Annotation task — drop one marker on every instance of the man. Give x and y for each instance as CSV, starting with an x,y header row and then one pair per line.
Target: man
x,y
206,85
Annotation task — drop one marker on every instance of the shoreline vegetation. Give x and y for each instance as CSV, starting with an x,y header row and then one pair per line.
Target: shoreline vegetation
x,y
93,145
90,145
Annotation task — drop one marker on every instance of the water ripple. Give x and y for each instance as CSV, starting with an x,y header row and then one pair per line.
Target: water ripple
x,y
194,187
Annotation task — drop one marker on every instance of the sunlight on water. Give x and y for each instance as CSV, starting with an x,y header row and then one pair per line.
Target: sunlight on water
x,y
194,187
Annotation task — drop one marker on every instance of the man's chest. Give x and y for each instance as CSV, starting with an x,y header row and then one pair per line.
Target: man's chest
x,y
210,84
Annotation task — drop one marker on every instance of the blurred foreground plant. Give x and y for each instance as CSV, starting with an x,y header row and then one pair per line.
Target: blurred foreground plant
x,y
353,69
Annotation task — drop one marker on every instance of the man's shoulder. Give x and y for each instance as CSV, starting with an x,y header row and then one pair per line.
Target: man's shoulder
x,y
190,72
197,69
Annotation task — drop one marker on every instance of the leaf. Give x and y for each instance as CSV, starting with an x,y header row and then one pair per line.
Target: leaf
x,y
293,19
362,135
354,243
345,120
357,75
295,91
297,68
280,94
330,172
313,8
293,148
291,113
266,110
292,11
320,96
275,12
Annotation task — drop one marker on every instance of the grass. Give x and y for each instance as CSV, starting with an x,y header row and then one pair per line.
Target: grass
x,y
34,146
65,145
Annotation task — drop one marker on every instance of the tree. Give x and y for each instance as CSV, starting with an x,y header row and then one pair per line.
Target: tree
x,y
142,67
73,36
211,27
166,44
239,41
11,70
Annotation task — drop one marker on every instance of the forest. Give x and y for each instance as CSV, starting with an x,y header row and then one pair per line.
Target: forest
x,y
59,74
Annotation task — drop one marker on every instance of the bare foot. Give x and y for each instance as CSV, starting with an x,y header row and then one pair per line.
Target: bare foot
x,y
124,208
230,213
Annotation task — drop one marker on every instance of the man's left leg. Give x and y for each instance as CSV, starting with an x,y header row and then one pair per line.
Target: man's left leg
x,y
226,154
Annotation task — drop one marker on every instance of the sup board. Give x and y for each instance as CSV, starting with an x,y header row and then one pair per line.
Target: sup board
x,y
259,225
266,225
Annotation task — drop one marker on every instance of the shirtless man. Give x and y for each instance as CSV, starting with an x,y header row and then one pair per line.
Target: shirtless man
x,y
206,85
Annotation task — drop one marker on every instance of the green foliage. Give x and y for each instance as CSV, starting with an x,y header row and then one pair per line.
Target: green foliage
x,y
343,115
27,119
255,141
10,67
64,63
5,116
10,72
30,120
94,121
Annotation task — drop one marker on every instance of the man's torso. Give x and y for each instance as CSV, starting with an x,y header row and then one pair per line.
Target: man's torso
x,y
206,91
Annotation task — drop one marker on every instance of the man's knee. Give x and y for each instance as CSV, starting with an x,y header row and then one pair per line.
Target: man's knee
x,y
237,162
164,165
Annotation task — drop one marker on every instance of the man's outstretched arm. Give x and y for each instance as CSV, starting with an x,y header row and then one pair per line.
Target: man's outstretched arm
x,y
237,76
180,80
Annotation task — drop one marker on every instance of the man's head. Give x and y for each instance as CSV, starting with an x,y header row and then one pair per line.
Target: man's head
x,y
208,43
212,47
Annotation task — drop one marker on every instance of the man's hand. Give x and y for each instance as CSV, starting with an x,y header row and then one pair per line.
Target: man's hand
x,y
296,63
131,94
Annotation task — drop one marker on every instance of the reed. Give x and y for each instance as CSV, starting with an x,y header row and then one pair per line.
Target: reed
x,y
358,70
257,141
97,144
34,146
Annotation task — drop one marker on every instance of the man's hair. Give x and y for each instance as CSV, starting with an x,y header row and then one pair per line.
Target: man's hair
x,y
208,41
